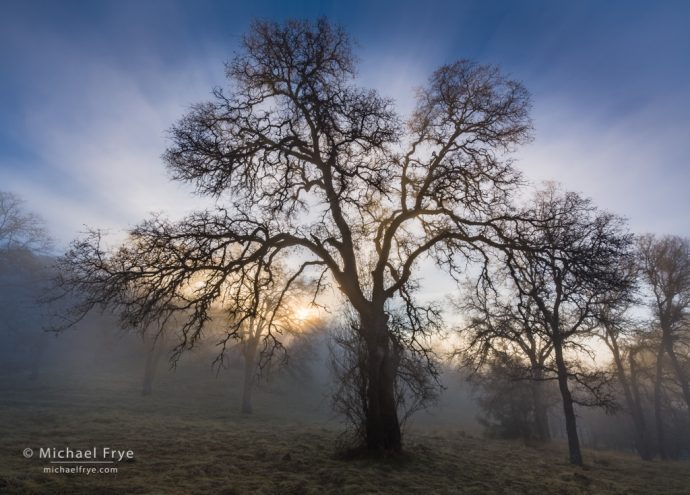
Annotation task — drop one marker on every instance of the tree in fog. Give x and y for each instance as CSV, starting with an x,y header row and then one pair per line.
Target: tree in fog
x,y
640,350
278,313
24,242
665,268
506,394
620,332
20,230
156,284
309,165
504,337
155,349
571,269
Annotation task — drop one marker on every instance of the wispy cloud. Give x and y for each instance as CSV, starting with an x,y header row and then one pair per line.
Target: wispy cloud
x,y
96,139
634,164
92,90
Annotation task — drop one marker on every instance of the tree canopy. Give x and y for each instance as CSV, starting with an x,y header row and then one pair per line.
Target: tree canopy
x,y
318,173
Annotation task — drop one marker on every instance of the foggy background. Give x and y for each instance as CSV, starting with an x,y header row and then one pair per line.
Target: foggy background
x,y
98,365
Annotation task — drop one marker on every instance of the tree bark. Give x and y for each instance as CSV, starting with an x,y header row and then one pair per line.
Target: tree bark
x,y
249,375
568,409
661,441
382,426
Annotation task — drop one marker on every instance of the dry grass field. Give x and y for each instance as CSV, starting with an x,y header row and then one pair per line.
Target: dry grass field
x,y
191,442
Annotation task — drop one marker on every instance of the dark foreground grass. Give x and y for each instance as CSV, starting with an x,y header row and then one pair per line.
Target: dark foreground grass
x,y
196,446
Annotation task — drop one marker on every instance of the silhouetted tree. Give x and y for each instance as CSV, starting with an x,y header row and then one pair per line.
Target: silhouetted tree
x,y
642,359
158,286
309,164
665,267
571,269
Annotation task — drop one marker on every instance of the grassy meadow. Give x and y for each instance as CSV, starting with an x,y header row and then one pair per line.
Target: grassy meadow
x,y
187,438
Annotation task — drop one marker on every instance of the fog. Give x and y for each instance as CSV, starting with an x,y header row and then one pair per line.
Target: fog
x,y
97,364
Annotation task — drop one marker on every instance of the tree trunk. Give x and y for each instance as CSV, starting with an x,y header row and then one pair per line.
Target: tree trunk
x,y
568,409
382,426
541,418
661,441
249,375
152,357
678,369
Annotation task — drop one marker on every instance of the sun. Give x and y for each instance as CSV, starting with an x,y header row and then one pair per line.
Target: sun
x,y
304,313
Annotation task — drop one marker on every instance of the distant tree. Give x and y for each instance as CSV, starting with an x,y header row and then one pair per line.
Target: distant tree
x,y
290,317
506,395
286,314
505,337
570,270
665,267
312,167
153,287
20,229
641,350
24,243
619,332
155,350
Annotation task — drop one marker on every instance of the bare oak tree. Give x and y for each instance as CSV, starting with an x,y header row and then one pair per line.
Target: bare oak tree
x,y
313,167
570,271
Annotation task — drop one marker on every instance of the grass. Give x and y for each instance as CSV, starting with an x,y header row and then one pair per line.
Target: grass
x,y
192,442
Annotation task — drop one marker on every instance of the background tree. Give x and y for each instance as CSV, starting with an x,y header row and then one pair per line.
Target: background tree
x,y
619,332
504,338
156,348
506,395
159,286
20,229
665,267
24,246
641,350
277,312
571,269
310,165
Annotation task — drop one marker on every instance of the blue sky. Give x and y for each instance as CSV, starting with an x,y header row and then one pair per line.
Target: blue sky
x,y
87,90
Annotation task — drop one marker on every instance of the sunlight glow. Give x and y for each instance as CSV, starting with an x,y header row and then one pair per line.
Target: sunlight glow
x,y
305,313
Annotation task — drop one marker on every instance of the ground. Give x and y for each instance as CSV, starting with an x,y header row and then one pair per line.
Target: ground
x,y
191,441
